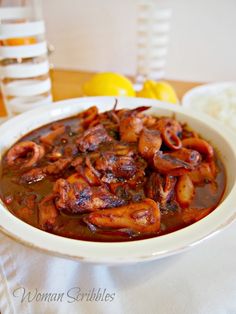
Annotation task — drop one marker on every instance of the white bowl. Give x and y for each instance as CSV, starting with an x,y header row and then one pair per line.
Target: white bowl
x,y
205,90
215,99
134,251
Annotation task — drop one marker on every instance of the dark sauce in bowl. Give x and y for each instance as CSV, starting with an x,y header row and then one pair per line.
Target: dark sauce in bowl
x,y
94,163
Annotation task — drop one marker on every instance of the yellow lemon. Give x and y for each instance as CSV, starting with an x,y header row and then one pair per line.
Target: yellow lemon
x,y
148,90
158,90
108,84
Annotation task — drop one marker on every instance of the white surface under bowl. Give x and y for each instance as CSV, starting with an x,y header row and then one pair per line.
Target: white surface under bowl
x,y
134,251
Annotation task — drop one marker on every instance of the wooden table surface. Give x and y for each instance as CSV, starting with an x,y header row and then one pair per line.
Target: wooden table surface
x,y
67,84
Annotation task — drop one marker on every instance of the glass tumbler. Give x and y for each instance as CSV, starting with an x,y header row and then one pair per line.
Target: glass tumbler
x,y
153,25
24,66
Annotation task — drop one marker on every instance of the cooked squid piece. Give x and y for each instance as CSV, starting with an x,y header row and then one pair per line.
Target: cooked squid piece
x,y
131,123
112,166
92,138
204,173
185,190
88,116
160,188
188,155
140,218
79,197
149,143
169,165
123,149
38,174
74,178
25,154
170,130
199,145
130,128
88,175
58,166
91,167
149,121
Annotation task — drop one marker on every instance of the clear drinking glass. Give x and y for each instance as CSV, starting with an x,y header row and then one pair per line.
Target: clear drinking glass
x,y
153,23
24,66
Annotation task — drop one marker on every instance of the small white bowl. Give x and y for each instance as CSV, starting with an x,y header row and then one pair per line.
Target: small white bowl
x,y
205,90
216,99
134,251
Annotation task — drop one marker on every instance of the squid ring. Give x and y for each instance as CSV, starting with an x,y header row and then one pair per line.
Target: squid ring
x,y
27,150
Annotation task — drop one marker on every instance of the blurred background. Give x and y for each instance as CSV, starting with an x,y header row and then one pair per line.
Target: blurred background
x,y
100,35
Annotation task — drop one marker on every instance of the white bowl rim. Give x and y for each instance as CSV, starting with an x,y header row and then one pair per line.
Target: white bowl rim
x,y
121,252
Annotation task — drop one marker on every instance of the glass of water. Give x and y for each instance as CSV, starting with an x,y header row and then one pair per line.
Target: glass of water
x,y
24,66
153,25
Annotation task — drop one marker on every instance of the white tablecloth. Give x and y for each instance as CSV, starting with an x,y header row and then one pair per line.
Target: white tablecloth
x,y
199,281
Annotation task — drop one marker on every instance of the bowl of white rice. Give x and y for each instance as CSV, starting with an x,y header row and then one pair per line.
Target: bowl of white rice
x,y
217,100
